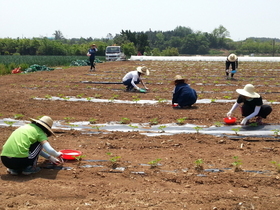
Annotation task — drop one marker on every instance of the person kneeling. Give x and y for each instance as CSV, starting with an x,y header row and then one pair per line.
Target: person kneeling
x,y
183,94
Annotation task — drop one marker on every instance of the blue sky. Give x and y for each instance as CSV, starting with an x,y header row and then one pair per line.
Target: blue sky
x,y
97,18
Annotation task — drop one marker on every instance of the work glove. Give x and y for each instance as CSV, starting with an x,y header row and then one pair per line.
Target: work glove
x,y
229,114
146,88
244,121
137,88
56,161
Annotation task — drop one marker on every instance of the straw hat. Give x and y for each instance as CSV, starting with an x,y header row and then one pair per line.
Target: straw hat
x,y
249,91
45,121
178,77
143,70
232,57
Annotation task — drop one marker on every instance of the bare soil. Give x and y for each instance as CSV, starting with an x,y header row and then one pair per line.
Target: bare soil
x,y
175,182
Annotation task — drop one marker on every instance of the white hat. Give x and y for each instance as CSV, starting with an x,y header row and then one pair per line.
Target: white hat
x,y
45,121
143,70
232,57
249,91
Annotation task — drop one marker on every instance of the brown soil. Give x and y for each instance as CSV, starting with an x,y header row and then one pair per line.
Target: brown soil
x,y
175,183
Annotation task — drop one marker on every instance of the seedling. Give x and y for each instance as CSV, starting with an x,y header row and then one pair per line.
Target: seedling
x,y
227,97
237,164
135,98
92,120
254,124
161,128
98,127
277,165
72,126
161,100
276,132
88,98
80,95
133,126
97,95
197,128
65,98
69,118
218,124
113,98
154,121
10,123
48,96
198,164
113,160
154,163
18,116
124,120
60,95
213,100
236,130
181,121
79,159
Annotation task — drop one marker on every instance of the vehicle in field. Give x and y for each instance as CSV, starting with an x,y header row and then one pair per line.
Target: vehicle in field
x,y
114,53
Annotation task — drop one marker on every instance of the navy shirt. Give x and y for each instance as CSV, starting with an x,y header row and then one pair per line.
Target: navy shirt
x,y
92,52
184,95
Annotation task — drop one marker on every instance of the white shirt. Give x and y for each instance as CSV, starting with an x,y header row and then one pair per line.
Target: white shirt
x,y
132,75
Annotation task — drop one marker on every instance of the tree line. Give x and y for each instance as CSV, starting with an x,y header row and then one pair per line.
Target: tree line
x,y
180,41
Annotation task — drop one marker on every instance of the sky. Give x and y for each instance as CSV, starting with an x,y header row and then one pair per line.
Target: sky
x,y
98,18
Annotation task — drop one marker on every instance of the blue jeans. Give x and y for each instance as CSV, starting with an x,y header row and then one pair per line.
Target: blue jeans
x,y
128,84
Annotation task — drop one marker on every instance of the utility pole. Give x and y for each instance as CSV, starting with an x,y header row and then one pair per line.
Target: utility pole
x,y
273,47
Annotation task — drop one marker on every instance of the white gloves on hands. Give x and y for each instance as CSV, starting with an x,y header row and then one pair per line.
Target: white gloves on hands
x,y
229,114
56,161
244,121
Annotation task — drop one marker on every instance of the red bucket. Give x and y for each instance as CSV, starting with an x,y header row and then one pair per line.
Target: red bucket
x,y
230,120
69,154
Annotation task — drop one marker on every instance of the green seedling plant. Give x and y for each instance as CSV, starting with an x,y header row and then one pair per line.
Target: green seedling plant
x,y
135,98
133,126
88,99
18,116
72,126
181,121
79,159
213,100
97,95
10,123
236,130
197,128
124,120
154,163
227,97
161,128
65,98
114,161
113,98
277,165
253,124
98,127
92,120
276,132
80,95
154,121
218,124
48,96
237,164
161,100
198,164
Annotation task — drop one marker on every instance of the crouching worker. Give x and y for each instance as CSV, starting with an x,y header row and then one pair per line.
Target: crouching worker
x,y
134,77
252,105
183,94
21,151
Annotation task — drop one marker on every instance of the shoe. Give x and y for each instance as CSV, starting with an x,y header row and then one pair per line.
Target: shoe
x,y
259,121
13,172
31,170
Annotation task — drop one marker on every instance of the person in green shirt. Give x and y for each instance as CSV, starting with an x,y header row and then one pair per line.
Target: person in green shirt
x,y
21,151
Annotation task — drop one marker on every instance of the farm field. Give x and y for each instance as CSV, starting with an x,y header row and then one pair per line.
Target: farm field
x,y
180,171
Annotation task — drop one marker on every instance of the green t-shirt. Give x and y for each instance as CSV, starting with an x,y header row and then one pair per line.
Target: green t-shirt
x,y
19,142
